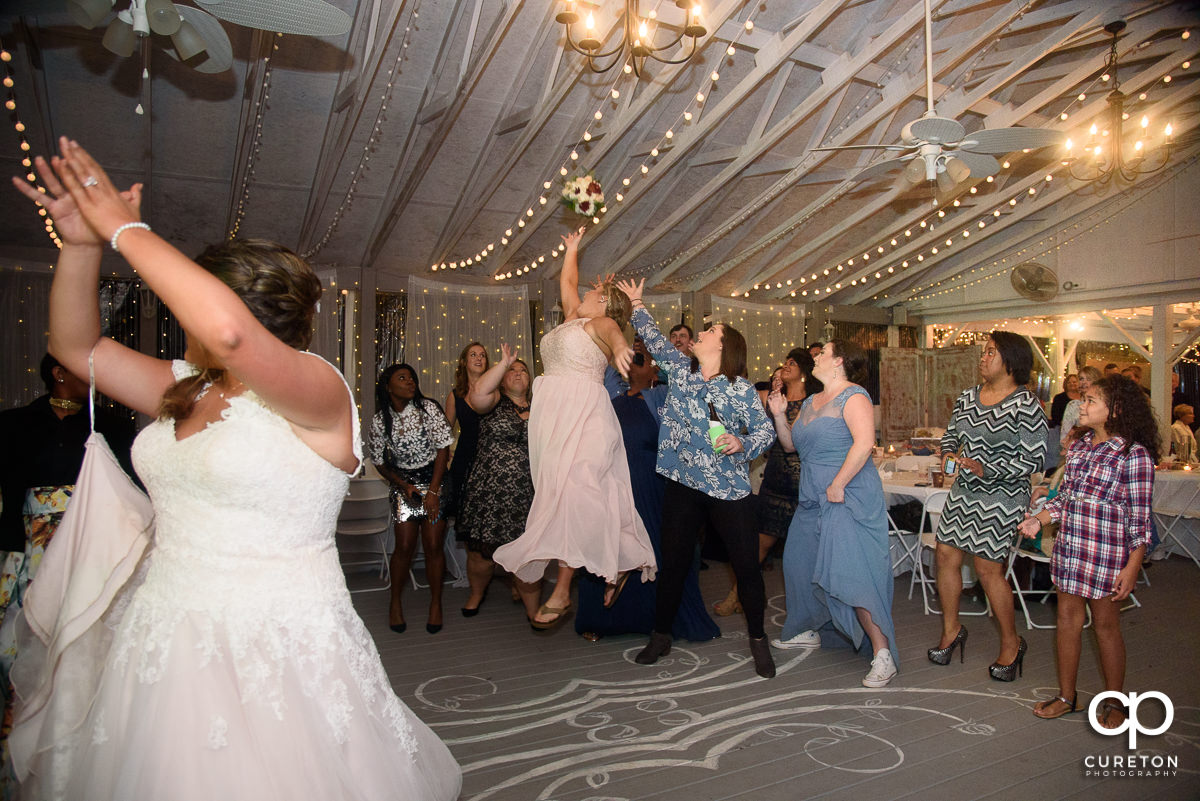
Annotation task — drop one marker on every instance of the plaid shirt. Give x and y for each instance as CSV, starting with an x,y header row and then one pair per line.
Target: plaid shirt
x,y
1103,505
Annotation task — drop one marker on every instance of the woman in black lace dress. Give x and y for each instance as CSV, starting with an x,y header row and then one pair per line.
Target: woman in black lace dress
x,y
500,488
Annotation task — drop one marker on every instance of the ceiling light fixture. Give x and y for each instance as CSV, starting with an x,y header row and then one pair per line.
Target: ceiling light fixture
x,y
1101,165
635,43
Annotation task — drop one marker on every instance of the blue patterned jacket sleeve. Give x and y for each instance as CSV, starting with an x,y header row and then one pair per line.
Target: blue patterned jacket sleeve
x,y
1030,452
666,354
759,432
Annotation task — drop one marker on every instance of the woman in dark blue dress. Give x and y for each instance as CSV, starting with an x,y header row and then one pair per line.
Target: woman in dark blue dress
x,y
633,612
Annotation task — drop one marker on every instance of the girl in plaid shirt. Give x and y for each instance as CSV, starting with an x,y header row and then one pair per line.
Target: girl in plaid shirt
x,y
1103,507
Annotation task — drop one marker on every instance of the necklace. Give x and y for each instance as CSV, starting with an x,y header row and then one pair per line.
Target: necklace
x,y
66,404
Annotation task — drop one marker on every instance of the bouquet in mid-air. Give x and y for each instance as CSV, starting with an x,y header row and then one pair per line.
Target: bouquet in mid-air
x,y
583,195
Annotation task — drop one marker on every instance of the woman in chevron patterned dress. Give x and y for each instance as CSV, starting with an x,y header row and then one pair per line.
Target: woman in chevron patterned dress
x,y
997,432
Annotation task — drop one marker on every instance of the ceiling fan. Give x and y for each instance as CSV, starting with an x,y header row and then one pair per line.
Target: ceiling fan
x,y
197,37
939,149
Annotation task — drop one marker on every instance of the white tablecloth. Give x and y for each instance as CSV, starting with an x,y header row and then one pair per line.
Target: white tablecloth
x,y
1178,491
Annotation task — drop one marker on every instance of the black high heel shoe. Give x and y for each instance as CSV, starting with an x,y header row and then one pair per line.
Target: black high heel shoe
x,y
1013,669
942,656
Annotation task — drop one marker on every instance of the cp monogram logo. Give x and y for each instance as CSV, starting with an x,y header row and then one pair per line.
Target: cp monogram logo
x,y
1131,724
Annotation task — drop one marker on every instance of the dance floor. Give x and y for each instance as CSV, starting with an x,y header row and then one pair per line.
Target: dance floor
x,y
552,716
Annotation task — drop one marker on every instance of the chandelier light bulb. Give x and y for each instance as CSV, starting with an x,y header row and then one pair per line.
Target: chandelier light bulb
x,y
643,31
1167,130
1093,130
1137,147
1066,145
590,22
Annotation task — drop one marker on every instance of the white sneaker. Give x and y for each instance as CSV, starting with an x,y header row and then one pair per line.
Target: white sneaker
x,y
805,639
883,669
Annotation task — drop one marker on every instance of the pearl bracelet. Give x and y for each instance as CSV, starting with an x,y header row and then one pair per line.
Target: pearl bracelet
x,y
122,229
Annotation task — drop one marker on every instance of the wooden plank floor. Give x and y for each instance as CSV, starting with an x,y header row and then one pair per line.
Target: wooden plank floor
x,y
552,716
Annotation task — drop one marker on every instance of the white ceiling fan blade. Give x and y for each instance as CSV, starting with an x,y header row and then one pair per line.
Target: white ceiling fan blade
x,y
302,17
981,165
866,147
936,130
218,55
1009,140
877,170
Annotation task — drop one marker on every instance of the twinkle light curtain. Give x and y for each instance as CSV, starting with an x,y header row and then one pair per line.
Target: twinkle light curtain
x,y
25,307
443,318
667,310
770,329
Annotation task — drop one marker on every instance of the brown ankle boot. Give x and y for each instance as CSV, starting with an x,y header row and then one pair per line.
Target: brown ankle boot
x,y
659,645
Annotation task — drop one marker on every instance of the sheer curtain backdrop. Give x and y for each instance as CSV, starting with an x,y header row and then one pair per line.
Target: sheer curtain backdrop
x,y
25,308
770,329
443,318
667,310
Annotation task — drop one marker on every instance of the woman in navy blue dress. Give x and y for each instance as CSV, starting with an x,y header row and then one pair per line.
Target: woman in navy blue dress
x,y
638,411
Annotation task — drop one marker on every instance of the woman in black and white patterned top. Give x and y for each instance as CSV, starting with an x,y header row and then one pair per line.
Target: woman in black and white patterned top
x,y
410,445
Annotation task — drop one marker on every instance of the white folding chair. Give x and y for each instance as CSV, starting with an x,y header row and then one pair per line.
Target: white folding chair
x,y
1170,514
931,512
906,543
365,513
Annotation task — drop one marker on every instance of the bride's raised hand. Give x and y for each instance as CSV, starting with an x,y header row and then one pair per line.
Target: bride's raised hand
x,y
632,289
63,209
571,240
103,206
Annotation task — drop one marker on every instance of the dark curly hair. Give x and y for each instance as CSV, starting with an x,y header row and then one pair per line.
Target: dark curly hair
x,y
1130,415
804,361
280,289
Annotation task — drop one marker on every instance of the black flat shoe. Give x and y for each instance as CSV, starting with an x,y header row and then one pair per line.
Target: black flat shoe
x,y
1013,669
399,628
942,656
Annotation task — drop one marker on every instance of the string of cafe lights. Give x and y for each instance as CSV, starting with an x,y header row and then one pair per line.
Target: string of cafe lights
x,y
10,103
1049,243
776,190
855,113
364,157
879,248
694,107
260,108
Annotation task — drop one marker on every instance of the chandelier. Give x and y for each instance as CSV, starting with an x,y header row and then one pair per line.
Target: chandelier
x,y
636,42
1100,164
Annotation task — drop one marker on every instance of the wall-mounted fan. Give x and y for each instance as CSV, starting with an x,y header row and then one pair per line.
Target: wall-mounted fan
x,y
1034,281
939,150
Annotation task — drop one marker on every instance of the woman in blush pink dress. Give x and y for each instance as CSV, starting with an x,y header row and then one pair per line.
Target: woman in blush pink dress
x,y
583,513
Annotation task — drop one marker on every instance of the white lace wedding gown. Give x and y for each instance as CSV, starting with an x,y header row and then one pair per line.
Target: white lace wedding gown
x,y
239,669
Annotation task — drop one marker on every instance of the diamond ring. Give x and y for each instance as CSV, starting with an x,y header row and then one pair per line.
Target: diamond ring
x,y
90,181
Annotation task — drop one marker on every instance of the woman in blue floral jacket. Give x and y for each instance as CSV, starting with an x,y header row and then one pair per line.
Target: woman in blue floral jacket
x,y
707,482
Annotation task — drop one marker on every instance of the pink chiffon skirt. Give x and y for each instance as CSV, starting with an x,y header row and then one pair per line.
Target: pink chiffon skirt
x,y
582,512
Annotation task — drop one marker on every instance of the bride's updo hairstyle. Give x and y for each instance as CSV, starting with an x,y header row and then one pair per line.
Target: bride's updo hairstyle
x,y
854,359
280,289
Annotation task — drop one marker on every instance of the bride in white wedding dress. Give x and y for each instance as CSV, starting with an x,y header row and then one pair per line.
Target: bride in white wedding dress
x,y
239,668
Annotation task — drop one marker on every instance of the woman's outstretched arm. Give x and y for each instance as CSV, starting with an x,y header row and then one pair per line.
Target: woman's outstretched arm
x,y
304,390
136,380
568,277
